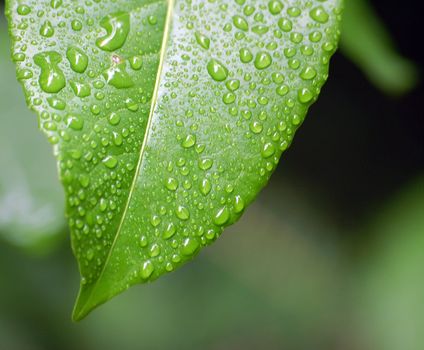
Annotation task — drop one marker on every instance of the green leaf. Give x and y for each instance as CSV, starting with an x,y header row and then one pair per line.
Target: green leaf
x,y
166,118
31,199
366,41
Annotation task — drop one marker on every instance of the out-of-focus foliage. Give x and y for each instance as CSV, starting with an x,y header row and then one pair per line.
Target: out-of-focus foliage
x,y
391,281
31,200
285,294
367,43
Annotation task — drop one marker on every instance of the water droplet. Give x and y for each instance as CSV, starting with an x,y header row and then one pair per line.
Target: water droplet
x,y
77,59
238,204
182,213
205,186
171,184
216,70
285,24
154,250
143,241
308,73
256,127
46,29
268,150
318,14
55,4
136,62
110,162
260,29
240,23
245,55
75,122
205,163
76,25
305,95
118,77
222,216
147,270
263,60
275,7
169,231
155,220
190,246
114,118
52,79
56,103
189,141
202,40
23,10
233,84
117,27
80,89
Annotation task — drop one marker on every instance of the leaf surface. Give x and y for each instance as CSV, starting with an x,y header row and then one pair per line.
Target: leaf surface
x,y
167,118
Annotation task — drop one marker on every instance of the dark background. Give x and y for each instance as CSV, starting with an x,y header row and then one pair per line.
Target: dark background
x,y
357,144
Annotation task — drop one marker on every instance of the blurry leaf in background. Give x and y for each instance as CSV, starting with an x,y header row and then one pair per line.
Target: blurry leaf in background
x,y
367,43
287,297
391,283
31,200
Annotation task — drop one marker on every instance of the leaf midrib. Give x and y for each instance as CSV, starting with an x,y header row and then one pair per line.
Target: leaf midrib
x,y
166,31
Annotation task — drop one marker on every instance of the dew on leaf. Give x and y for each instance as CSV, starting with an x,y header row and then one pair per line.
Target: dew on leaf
x,y
77,59
117,26
263,60
52,79
216,70
222,216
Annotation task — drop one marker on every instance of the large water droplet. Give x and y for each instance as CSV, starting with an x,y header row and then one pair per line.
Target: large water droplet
x,y
118,76
52,79
117,26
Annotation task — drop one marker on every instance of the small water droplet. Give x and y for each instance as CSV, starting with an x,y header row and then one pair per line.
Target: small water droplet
x,y
202,40
318,14
190,246
46,29
182,213
222,216
240,23
263,60
110,162
216,70
77,59
147,269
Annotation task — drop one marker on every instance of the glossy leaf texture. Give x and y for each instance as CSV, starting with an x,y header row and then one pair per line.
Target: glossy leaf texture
x,y
31,198
166,117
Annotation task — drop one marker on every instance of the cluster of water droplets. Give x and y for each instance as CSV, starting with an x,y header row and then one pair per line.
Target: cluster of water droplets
x,y
238,77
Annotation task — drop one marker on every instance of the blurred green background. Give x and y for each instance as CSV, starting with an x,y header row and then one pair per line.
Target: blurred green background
x,y
330,256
